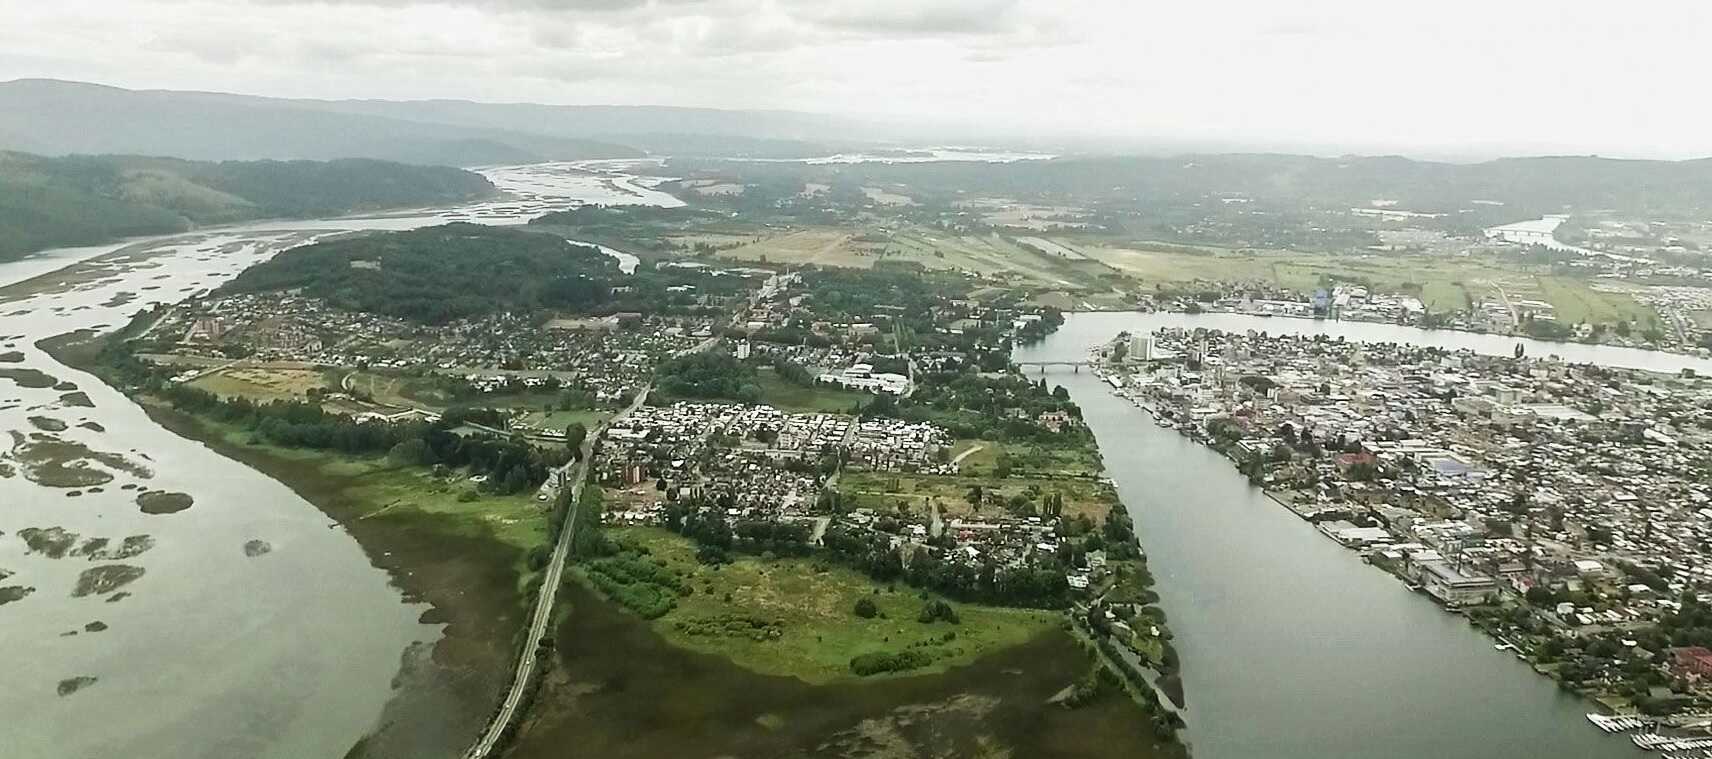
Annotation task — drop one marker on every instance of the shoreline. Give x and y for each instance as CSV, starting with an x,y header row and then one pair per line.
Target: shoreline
x,y
1293,317
1285,498
445,688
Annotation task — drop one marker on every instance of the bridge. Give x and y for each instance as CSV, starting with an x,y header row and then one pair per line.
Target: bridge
x,y
1041,365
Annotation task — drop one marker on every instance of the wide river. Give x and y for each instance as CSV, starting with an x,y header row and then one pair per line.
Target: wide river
x,y
257,627
1292,647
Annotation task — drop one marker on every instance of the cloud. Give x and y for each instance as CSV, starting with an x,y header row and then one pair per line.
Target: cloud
x,y
894,17
1334,72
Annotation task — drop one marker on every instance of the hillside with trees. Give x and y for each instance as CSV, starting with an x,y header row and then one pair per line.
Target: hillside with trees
x,y
85,200
440,274
1524,187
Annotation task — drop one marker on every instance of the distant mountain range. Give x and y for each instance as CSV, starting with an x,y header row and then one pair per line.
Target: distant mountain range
x,y
53,117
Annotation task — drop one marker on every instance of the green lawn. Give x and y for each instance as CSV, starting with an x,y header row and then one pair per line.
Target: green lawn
x,y
794,617
1442,296
1574,302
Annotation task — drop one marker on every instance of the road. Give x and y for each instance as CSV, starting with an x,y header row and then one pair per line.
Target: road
x,y
966,454
554,574
1515,316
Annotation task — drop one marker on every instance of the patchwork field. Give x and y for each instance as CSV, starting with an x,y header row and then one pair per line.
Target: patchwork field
x,y
1443,283
265,384
985,255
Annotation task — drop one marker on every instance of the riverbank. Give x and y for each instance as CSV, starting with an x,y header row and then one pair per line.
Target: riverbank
x,y
624,691
1508,570
1366,669
1262,319
456,563
471,572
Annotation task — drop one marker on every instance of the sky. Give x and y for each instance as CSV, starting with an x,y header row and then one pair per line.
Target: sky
x,y
1448,78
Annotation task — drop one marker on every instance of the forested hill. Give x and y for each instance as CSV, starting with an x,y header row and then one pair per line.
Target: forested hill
x,y
439,274
84,200
1523,186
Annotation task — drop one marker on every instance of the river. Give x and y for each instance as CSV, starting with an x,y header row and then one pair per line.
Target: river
x,y
1292,648
257,627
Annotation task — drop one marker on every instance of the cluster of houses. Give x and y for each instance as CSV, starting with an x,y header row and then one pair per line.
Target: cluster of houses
x,y
610,356
679,439
1470,476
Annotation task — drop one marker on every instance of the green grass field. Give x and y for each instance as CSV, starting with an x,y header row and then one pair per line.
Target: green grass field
x,y
1444,283
794,617
792,397
1575,302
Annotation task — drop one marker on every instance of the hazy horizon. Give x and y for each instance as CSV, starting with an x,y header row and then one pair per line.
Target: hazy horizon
x,y
1467,81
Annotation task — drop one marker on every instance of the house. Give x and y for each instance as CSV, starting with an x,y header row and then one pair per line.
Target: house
x,y
1693,661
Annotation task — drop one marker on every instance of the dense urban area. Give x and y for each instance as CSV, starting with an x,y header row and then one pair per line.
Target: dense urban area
x,y
1563,508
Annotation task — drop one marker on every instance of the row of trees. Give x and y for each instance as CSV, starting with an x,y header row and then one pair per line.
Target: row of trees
x,y
507,466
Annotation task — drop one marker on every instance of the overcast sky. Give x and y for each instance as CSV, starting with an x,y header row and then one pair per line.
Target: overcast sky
x,y
1446,77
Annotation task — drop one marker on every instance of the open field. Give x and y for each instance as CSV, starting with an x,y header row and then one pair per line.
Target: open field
x,y
917,493
792,397
1443,283
806,625
263,384
394,390
1575,302
1030,458
886,197
824,246
559,420
857,247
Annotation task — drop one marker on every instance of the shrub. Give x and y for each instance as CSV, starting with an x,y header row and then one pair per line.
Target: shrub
x,y
877,663
936,610
866,609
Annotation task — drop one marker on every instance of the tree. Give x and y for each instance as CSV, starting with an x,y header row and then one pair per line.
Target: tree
x,y
936,610
1002,468
411,452
575,434
866,609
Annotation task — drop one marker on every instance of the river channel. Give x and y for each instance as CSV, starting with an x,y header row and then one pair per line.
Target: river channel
x,y
246,625
249,624
1292,647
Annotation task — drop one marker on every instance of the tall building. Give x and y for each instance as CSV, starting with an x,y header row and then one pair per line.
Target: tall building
x,y
1140,348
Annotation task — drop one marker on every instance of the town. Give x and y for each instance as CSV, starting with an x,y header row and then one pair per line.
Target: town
x,y
1564,508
